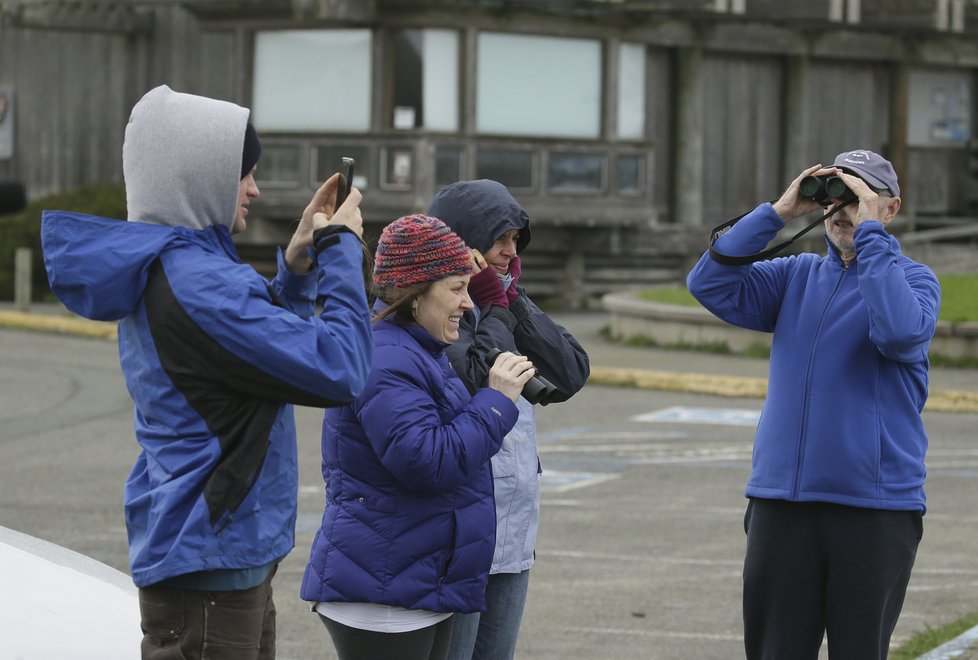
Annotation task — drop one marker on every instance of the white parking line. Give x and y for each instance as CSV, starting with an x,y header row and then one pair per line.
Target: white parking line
x,y
685,415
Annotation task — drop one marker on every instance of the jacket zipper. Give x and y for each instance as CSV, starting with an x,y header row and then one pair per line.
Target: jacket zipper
x,y
796,487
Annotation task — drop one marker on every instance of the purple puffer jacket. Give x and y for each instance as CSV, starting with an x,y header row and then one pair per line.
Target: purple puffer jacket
x,y
409,519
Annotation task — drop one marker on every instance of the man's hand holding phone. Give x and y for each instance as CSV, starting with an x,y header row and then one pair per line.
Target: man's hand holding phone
x,y
323,210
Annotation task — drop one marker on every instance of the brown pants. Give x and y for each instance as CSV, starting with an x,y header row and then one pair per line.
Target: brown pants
x,y
183,624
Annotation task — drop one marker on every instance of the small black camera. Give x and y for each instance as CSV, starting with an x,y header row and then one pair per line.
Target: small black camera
x,y
536,390
823,189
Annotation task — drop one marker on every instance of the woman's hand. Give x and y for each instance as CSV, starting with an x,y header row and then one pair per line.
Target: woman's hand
x,y
509,373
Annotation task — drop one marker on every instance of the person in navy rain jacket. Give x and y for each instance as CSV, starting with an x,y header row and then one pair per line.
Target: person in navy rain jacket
x,y
408,531
497,230
837,482
213,355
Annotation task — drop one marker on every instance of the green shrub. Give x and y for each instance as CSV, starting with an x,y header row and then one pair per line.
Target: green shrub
x,y
24,230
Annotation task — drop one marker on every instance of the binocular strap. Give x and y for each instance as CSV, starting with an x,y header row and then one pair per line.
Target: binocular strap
x,y
766,253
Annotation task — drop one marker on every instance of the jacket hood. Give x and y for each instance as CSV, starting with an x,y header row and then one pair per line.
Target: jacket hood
x,y
181,159
99,267
480,212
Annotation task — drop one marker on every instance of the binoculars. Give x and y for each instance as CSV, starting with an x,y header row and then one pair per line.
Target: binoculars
x,y
536,390
823,189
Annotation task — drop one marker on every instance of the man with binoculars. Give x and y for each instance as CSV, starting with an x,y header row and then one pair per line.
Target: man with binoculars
x,y
836,492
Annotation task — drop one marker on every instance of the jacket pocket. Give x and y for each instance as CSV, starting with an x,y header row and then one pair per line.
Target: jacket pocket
x,y
450,550
161,613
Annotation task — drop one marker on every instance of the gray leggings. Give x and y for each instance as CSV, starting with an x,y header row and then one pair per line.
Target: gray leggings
x,y
429,643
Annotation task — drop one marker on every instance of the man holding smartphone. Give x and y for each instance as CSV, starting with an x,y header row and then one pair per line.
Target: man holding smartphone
x,y
214,355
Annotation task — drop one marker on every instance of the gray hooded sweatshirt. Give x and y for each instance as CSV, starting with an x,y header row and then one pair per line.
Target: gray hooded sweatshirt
x,y
160,188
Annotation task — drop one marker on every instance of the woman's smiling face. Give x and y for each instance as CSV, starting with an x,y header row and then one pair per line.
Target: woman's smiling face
x,y
439,309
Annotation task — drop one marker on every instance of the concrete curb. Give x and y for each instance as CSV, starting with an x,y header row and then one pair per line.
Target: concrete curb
x,y
673,381
743,386
956,648
67,325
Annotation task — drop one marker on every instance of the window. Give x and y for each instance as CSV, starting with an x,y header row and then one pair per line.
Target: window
x,y
547,86
575,172
448,165
298,74
279,166
397,168
939,107
631,91
631,173
425,75
511,167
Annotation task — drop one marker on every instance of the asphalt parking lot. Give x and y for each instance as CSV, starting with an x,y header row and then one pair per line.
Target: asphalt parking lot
x,y
641,540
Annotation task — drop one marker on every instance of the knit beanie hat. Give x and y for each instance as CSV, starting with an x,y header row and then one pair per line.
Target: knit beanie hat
x,y
251,151
418,248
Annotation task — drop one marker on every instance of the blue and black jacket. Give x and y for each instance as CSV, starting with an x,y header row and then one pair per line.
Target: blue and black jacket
x,y
213,356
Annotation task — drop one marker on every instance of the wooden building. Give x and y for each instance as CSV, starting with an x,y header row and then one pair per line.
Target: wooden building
x,y
627,128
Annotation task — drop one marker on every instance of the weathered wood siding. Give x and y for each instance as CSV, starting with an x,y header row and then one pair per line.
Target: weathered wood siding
x,y
72,93
742,133
74,89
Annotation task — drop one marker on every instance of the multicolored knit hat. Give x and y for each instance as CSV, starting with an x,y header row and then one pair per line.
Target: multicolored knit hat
x,y
418,248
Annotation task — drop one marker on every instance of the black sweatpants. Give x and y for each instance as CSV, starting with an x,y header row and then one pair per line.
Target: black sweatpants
x,y
430,643
814,568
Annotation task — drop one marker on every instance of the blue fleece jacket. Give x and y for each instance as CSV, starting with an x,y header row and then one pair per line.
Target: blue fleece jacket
x,y
848,374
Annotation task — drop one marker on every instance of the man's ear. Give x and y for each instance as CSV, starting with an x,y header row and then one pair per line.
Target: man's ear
x,y
890,210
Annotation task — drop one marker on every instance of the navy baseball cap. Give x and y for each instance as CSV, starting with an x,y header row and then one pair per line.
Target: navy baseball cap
x,y
871,168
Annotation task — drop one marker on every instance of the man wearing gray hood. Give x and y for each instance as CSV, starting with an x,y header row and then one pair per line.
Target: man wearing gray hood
x,y
214,355
497,229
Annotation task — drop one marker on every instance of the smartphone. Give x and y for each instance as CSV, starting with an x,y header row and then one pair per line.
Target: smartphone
x,y
346,181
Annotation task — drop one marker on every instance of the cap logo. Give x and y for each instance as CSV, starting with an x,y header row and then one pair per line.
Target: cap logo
x,y
858,157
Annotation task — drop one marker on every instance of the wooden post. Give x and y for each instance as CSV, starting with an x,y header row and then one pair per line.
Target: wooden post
x,y
689,138
22,279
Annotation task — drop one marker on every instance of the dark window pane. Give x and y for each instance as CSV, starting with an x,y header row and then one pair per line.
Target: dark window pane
x,y
513,169
448,165
630,169
575,172
407,79
328,163
279,165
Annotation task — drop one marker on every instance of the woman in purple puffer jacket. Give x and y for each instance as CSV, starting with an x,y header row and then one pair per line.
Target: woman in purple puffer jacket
x,y
408,532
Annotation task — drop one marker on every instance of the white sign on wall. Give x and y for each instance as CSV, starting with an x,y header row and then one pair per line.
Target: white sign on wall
x,y
940,107
6,123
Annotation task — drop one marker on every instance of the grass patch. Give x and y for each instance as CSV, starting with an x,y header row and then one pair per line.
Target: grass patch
x,y
931,638
958,301
967,362
670,295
